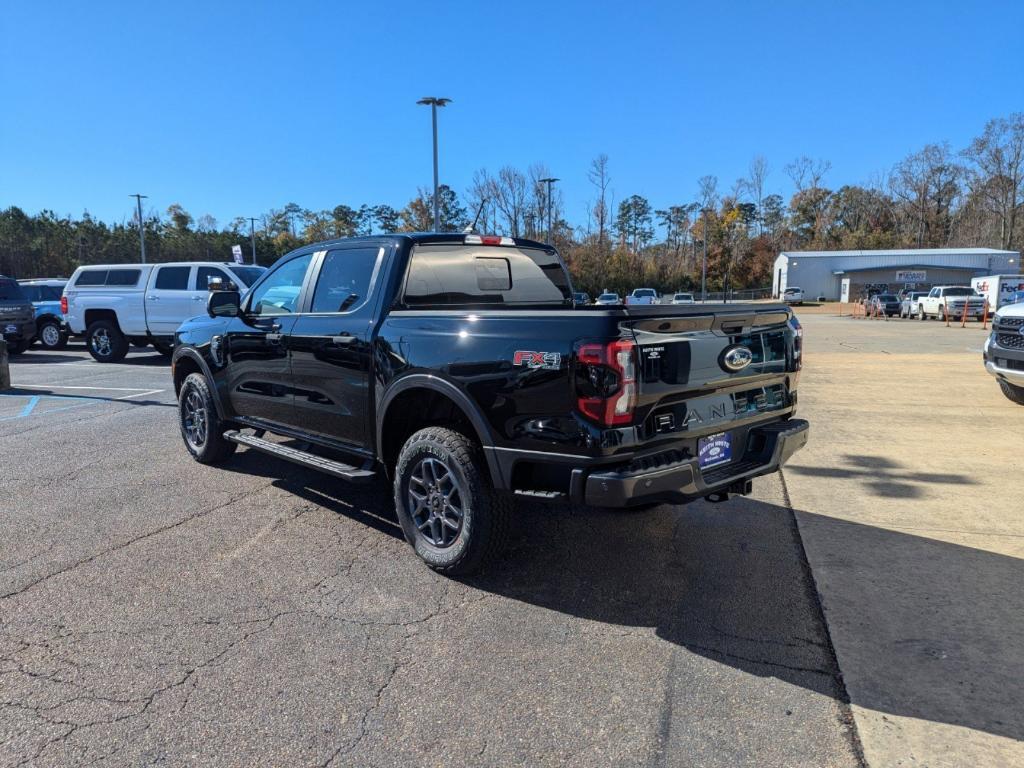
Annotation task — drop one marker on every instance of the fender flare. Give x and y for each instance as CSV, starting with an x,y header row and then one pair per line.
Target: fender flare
x,y
194,356
451,391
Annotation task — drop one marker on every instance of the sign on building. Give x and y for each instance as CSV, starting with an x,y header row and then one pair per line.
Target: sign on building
x,y
236,251
911,276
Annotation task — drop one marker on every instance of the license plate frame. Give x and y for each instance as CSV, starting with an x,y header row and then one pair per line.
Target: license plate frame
x,y
714,450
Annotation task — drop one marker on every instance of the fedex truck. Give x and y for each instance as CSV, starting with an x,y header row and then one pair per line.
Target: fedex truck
x,y
997,288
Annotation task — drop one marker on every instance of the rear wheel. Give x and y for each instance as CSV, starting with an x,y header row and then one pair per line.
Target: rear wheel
x,y
201,427
920,312
105,341
1013,393
51,336
449,512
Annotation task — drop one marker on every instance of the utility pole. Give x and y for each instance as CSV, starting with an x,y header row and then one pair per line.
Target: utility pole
x,y
252,237
142,227
434,102
704,265
549,182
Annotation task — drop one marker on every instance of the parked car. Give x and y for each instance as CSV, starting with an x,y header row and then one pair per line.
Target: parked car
x,y
642,296
465,408
17,317
1003,352
884,304
116,305
908,302
943,300
682,298
793,295
51,330
581,297
608,300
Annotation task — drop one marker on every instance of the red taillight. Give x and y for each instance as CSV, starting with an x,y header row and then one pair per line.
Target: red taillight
x,y
63,305
490,239
610,401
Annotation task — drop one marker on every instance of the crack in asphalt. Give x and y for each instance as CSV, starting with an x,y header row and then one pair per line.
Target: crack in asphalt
x,y
130,542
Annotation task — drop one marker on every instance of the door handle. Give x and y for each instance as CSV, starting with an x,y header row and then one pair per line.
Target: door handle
x,y
197,298
153,298
344,339
274,338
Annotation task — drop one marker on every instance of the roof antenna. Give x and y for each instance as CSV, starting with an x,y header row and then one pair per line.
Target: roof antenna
x,y
472,227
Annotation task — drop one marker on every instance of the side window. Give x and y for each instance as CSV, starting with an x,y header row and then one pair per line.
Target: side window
x,y
344,280
278,294
205,274
123,277
53,293
172,279
92,277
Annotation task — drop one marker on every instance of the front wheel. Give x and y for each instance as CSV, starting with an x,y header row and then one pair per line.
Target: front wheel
x,y
920,313
449,511
105,342
51,336
1013,393
201,427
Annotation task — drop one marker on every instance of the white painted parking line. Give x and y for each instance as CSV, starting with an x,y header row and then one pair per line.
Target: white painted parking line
x,y
138,391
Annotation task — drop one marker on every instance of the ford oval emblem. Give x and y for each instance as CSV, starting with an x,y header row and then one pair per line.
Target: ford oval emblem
x,y
735,359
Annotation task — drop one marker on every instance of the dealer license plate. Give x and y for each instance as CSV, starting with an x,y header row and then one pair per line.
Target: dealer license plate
x,y
714,450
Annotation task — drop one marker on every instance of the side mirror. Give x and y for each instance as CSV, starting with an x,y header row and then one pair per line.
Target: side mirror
x,y
220,284
223,303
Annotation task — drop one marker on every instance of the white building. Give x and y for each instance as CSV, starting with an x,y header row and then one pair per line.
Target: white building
x,y
846,275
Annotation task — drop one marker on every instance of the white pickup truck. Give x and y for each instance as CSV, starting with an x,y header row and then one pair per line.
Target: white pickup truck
x,y
116,305
943,300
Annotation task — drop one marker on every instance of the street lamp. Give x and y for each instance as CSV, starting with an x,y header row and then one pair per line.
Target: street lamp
x,y
434,102
142,228
252,237
549,182
704,265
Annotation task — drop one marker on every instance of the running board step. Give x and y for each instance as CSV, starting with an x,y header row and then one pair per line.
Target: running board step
x,y
335,468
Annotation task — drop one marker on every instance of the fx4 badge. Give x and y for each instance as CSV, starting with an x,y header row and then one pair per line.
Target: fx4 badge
x,y
548,360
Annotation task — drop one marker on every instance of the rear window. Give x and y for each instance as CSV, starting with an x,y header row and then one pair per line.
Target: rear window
x,y
112,277
959,292
491,275
11,291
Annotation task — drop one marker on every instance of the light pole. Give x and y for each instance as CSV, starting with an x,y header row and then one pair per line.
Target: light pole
x,y
704,264
142,228
434,102
252,237
549,182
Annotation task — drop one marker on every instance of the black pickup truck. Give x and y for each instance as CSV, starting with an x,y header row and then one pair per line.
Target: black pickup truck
x,y
461,367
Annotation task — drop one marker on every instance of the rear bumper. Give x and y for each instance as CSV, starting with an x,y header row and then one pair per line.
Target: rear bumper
x,y
768,448
17,331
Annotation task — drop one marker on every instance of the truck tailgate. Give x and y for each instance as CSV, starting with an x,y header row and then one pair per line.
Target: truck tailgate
x,y
685,384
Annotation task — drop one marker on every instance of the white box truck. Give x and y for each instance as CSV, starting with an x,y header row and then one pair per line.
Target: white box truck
x,y
997,288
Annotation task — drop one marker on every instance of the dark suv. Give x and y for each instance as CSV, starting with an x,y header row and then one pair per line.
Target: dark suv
x,y
17,317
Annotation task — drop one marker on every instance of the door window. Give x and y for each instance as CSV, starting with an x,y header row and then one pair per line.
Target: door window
x,y
205,274
172,279
344,280
278,294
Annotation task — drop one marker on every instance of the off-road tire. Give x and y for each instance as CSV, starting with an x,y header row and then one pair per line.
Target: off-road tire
x,y
54,339
116,346
1013,393
212,447
486,513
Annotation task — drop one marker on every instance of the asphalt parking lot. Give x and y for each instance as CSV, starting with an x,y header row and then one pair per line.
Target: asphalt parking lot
x,y
863,605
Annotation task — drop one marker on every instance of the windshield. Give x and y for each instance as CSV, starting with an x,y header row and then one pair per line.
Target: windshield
x,y
959,292
887,297
792,290
645,292
684,296
247,275
10,291
609,296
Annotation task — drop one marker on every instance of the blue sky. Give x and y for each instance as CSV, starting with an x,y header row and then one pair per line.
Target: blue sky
x,y
233,108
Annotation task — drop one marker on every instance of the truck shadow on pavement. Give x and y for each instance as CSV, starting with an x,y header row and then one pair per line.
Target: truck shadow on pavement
x,y
938,637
